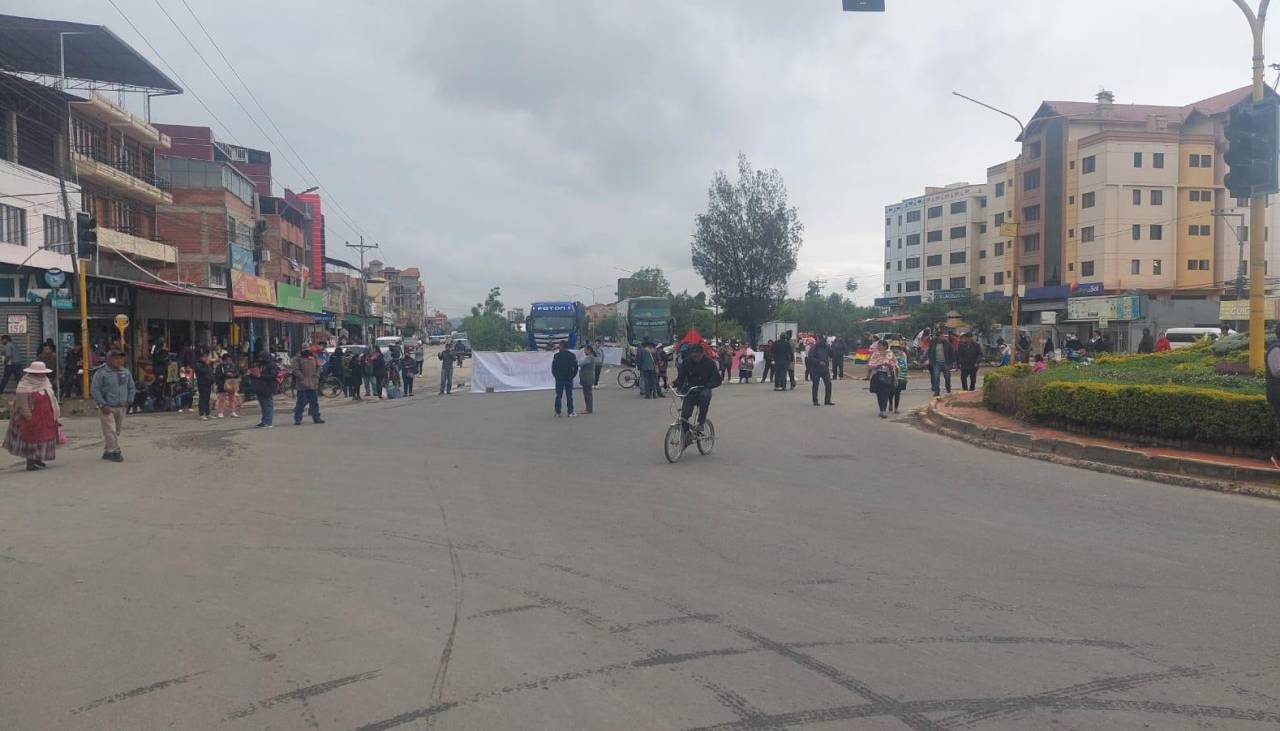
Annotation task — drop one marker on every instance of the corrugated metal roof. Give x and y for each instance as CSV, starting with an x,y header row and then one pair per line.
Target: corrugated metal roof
x,y
93,53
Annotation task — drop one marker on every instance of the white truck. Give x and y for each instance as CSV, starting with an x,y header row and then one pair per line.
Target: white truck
x,y
774,329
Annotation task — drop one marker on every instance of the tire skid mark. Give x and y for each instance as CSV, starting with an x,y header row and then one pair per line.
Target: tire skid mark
x,y
131,694
582,614
746,712
446,653
504,610
682,619
242,635
667,658
301,694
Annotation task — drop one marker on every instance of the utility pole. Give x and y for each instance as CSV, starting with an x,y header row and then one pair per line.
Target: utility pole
x,y
77,268
1257,204
364,288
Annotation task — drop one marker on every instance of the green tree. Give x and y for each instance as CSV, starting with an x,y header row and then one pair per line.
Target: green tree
x,y
487,326
985,316
747,242
605,327
928,314
647,282
812,289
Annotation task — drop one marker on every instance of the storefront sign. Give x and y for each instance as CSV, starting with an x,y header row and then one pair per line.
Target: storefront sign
x,y
899,301
241,258
17,325
326,318
55,278
951,295
1124,308
105,294
248,288
1084,288
292,296
1239,309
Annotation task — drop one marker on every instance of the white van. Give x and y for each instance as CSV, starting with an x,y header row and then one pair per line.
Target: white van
x,y
1185,337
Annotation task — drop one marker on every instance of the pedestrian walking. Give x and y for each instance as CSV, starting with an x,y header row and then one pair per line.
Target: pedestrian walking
x,y
646,363
564,366
1147,344
939,358
1006,354
725,356
660,361
204,385
1163,345
587,369
782,355
33,421
10,368
263,382
818,366
377,370
1048,347
1273,389
49,356
408,370
791,363
418,356
883,367
112,390
746,364
904,367
73,363
839,349
767,353
446,369
968,356
598,349
306,386
337,369
355,376
226,377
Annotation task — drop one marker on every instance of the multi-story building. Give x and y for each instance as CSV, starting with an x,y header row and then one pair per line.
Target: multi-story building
x,y
285,230
311,203
198,143
210,220
953,226
988,270
903,250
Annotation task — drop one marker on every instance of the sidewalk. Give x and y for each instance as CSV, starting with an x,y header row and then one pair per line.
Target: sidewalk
x,y
962,416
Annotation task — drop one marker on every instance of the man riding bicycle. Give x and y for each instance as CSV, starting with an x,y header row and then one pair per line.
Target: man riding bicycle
x,y
696,371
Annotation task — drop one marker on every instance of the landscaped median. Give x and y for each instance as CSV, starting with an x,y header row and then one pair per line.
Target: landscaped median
x,y
1195,417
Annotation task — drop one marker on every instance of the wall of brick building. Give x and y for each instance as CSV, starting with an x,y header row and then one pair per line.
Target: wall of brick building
x,y
196,224
278,230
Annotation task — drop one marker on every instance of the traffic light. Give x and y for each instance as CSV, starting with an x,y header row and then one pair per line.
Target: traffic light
x,y
86,235
1253,153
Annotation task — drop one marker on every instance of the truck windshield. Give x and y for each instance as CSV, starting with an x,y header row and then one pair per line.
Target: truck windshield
x,y
553,323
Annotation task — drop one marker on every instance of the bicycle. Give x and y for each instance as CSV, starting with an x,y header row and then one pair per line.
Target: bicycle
x,y
627,377
682,432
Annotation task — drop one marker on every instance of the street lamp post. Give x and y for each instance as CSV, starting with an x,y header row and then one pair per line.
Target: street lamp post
x,y
1017,165
1257,204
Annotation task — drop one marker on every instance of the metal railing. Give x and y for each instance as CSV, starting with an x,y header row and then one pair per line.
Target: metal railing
x,y
124,165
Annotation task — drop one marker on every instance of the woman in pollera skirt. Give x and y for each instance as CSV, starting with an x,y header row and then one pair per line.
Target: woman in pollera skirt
x,y
33,425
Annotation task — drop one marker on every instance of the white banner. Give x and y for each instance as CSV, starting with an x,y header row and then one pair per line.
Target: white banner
x,y
612,356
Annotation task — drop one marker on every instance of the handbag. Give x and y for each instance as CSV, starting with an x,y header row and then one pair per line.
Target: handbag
x,y
62,435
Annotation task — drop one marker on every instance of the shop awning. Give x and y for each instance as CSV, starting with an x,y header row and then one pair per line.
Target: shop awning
x,y
267,313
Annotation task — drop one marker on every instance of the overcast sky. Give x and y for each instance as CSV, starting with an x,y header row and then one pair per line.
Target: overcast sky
x,y
539,144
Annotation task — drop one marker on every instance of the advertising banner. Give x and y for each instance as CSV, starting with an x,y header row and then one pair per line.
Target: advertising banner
x,y
291,296
1239,309
248,288
241,258
1125,308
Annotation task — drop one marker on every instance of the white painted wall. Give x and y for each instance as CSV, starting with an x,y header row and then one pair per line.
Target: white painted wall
x,y
37,194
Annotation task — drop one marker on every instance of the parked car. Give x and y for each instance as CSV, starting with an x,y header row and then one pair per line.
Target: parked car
x,y
1185,337
461,349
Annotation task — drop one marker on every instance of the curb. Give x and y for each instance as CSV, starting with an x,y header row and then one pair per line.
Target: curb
x,y
1195,473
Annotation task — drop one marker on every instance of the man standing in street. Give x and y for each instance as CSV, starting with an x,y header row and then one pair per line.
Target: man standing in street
x,y
112,390
939,357
768,361
647,364
446,369
564,366
818,364
10,367
968,355
839,349
1147,344
782,357
418,356
306,383
264,388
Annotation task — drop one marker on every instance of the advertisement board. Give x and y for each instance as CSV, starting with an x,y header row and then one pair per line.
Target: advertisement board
x,y
241,258
248,288
1239,309
292,296
1123,308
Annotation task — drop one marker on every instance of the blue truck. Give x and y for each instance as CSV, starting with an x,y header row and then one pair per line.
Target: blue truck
x,y
550,323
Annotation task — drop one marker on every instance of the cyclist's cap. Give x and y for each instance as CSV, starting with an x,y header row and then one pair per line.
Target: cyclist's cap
x,y
114,352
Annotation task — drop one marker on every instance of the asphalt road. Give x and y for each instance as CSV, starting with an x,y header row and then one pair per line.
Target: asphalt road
x,y
472,562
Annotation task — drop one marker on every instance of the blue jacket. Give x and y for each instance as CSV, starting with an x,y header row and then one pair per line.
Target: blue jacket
x,y
112,387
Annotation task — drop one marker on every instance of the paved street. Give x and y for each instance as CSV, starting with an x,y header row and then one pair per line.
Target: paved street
x,y
471,562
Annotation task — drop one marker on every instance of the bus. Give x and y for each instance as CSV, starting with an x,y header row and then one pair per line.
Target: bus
x,y
550,323
645,318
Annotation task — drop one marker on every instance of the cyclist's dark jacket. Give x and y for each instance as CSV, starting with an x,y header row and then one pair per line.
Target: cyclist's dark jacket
x,y
691,373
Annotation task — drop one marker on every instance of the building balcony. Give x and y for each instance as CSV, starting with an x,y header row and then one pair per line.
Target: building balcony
x,y
99,108
136,247
129,181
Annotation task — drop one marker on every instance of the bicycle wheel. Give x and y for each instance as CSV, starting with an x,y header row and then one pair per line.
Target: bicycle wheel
x,y
627,378
707,441
673,444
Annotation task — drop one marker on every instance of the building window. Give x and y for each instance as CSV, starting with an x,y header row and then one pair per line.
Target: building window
x,y
913,286
999,248
998,278
1031,179
959,206
1157,159
958,257
956,283
982,279
1157,197
1086,269
1086,234
933,260
1071,165
1242,233
1031,274
899,287
1137,159
999,219
982,201
1031,243
982,253
1135,266
888,265
934,235
959,232
1033,150
1071,267
1137,196
913,216
1088,165
56,232
913,262
899,220
1155,266
886,288
933,284
1087,200
999,190
913,239
1031,213
1155,232
899,242
1201,161
1135,232
13,225
1198,229
887,221
982,227
1198,265
935,211
899,265
1071,233
887,243
217,275
1205,196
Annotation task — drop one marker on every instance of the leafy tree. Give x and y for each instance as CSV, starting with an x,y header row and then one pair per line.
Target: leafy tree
x,y
830,315
487,326
605,327
928,314
492,304
647,282
746,244
812,289
985,316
